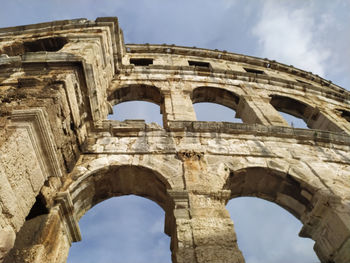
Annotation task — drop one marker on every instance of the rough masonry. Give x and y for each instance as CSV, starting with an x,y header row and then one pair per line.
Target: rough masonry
x,y
60,155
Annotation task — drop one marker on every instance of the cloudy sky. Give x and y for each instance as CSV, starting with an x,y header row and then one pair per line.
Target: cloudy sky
x,y
310,34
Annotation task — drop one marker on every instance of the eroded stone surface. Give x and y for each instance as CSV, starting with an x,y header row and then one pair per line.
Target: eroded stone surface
x,y
60,155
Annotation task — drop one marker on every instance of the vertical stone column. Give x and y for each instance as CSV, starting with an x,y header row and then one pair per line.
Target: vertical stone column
x,y
203,225
178,106
329,225
254,109
182,246
326,120
212,228
203,231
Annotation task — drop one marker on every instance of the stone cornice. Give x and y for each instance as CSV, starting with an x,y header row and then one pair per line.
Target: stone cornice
x,y
138,128
229,56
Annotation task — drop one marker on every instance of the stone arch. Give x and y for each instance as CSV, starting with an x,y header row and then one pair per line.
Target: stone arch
x,y
312,116
317,209
215,95
219,96
92,182
114,180
117,180
136,92
272,185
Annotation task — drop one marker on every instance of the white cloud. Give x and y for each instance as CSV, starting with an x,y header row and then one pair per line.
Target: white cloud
x,y
287,35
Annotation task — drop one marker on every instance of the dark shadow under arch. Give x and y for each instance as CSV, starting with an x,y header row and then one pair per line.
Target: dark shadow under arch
x,y
136,92
272,185
291,106
215,95
313,117
118,181
122,180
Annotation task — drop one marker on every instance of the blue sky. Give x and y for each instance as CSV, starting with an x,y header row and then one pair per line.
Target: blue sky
x,y
310,34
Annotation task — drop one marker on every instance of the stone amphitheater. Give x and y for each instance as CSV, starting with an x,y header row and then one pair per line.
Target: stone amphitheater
x,y
60,155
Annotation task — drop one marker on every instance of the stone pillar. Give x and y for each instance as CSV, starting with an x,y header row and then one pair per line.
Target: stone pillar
x,y
178,106
40,240
212,228
254,109
203,230
329,225
326,120
182,246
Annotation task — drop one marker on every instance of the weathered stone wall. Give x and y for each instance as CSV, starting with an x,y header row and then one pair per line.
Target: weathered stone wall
x,y
60,156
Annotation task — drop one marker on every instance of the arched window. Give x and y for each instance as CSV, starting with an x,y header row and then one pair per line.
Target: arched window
x,y
215,104
108,186
122,229
293,121
293,111
137,110
308,116
286,192
268,233
136,102
206,111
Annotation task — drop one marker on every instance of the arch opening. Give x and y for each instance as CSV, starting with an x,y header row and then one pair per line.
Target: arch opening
x,y
309,116
296,113
137,102
267,233
116,181
293,121
251,186
117,228
137,110
206,111
119,181
215,104
272,185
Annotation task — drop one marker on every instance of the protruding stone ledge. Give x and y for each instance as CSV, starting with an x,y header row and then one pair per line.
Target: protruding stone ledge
x,y
136,128
216,54
260,130
180,71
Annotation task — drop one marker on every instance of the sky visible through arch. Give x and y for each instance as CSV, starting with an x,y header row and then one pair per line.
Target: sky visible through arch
x,y
310,34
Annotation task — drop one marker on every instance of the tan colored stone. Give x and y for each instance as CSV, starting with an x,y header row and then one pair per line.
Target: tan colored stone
x,y
61,155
